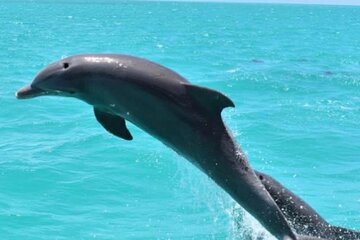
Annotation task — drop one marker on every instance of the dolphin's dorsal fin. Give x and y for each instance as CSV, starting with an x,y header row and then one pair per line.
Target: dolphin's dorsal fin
x,y
213,101
113,124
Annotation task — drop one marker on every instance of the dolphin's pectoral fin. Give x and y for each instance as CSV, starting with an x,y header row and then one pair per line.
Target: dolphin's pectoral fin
x,y
113,124
210,99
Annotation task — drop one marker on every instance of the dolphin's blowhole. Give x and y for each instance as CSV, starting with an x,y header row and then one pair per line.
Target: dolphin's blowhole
x,y
65,65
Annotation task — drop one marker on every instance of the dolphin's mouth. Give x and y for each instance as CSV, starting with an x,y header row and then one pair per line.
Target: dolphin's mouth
x,y
29,92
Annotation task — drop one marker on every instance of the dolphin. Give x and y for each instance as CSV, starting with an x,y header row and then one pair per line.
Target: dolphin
x,y
301,216
185,117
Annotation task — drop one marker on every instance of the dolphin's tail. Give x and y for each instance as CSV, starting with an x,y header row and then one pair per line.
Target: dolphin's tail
x,y
344,233
301,216
333,233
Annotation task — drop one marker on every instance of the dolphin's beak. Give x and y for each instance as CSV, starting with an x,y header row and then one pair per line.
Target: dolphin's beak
x,y
29,92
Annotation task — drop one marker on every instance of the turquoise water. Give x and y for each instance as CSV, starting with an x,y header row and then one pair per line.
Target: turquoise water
x,y
293,72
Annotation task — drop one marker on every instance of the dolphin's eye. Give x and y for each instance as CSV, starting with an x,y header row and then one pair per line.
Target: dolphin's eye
x,y
65,65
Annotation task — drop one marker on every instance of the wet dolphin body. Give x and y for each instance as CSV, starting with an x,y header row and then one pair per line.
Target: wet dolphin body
x,y
185,117
301,216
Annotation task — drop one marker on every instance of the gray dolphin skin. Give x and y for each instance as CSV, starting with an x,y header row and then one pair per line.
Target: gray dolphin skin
x,y
301,216
185,117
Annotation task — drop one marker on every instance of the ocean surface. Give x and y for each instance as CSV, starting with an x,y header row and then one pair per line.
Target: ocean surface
x,y
293,72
